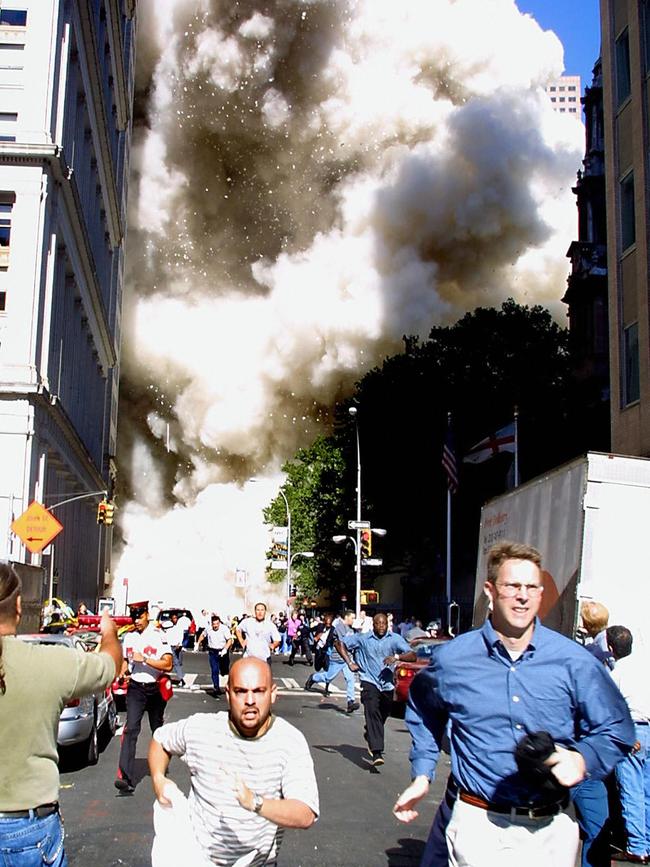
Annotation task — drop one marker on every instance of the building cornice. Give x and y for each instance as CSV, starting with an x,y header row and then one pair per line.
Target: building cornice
x,y
16,153
40,397
96,94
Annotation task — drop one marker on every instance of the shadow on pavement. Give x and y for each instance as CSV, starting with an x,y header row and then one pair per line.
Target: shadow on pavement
x,y
357,755
328,705
408,854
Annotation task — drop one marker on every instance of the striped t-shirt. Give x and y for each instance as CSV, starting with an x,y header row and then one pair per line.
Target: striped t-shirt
x,y
276,765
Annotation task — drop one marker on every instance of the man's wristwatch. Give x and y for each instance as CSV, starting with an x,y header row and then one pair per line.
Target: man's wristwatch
x,y
258,802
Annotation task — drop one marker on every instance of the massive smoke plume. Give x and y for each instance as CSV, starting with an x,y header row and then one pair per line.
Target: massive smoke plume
x,y
313,179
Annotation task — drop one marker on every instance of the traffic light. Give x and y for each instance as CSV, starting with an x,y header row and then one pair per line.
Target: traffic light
x,y
109,508
101,512
369,597
366,544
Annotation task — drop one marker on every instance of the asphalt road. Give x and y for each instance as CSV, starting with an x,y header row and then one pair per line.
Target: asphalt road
x,y
355,829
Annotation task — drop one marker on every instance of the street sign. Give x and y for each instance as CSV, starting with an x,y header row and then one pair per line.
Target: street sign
x,y
372,561
36,527
279,564
358,525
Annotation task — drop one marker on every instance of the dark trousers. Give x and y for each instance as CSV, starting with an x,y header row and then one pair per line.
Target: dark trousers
x,y
376,707
301,645
219,665
436,853
140,697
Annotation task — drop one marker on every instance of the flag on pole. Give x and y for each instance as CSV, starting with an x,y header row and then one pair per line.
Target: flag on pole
x,y
502,441
449,462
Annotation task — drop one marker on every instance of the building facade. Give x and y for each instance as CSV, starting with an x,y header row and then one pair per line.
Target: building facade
x,y
66,93
564,93
586,294
626,62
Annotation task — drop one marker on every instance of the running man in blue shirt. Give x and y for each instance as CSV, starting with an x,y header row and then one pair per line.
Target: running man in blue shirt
x,y
511,678
374,655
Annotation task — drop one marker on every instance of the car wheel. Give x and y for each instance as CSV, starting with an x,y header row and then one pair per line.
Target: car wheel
x,y
110,723
92,752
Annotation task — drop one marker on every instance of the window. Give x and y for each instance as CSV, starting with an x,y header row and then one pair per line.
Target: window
x,y
563,99
645,32
3,301
623,87
631,389
572,99
562,110
553,99
562,89
573,110
8,116
13,17
628,229
572,87
552,88
6,205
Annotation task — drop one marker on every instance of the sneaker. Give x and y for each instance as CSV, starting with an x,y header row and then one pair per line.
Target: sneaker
x,y
124,787
377,758
352,706
309,683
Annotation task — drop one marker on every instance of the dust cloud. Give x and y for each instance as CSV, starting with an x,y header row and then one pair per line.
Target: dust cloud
x,y
313,179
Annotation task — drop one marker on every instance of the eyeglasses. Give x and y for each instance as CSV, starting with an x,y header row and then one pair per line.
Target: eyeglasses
x,y
510,590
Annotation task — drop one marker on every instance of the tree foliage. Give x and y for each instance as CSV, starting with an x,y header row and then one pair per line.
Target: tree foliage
x,y
479,370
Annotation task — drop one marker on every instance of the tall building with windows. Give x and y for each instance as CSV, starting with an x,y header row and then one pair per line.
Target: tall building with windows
x,y
66,92
564,93
626,62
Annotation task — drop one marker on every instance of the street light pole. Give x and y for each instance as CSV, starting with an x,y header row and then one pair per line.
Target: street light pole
x,y
353,413
286,503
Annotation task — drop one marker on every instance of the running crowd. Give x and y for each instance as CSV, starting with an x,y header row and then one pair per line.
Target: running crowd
x,y
537,727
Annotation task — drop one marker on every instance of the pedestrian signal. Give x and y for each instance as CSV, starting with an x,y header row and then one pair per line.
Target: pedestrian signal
x,y
369,597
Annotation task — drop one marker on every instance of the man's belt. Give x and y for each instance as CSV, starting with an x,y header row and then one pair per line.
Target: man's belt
x,y
35,813
532,811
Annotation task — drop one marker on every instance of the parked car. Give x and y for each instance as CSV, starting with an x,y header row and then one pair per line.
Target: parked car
x,y
406,671
83,721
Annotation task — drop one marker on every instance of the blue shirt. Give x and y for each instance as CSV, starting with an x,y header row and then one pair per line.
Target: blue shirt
x,y
370,652
491,702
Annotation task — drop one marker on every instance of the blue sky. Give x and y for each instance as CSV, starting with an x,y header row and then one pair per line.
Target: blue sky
x,y
577,23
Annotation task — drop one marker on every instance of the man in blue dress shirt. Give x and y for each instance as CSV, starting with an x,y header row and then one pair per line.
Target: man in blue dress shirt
x,y
511,678
374,655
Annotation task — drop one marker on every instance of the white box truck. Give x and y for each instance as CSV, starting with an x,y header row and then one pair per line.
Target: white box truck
x,y
590,519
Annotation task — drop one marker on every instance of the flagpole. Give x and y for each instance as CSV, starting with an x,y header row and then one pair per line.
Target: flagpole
x,y
448,583
448,553
516,447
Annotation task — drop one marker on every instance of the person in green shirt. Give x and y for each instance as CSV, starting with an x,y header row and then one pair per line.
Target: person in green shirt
x,y
35,683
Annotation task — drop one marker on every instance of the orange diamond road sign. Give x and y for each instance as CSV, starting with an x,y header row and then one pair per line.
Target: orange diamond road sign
x,y
36,527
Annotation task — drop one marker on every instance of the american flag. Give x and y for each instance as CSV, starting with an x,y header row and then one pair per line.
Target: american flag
x,y
449,463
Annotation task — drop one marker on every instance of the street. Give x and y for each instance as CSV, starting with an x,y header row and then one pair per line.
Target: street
x,y
356,826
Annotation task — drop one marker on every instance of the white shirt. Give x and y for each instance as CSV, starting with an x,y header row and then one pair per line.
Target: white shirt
x,y
151,643
174,634
259,635
276,765
184,622
218,638
630,675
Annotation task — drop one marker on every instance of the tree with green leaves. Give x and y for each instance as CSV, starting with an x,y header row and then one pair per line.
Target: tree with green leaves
x,y
478,369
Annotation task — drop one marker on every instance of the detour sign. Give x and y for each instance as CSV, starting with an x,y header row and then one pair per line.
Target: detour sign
x,y
36,527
